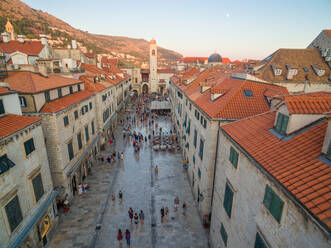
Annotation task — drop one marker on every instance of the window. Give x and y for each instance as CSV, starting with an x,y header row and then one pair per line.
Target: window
x,y
29,146
328,154
195,138
305,69
76,114
92,124
70,151
47,96
224,235
38,187
59,92
259,241
188,130
66,121
201,149
248,93
90,104
2,109
228,198
78,87
79,141
190,106
193,158
205,123
71,90
281,125
5,164
233,157
87,134
22,101
273,203
199,173
14,214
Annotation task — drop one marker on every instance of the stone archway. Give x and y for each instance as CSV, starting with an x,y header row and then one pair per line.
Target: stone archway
x,y
145,89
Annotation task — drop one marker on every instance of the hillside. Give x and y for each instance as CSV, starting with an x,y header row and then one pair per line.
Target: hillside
x,y
32,22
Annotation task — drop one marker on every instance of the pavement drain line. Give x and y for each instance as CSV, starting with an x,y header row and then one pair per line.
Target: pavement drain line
x,y
153,227
101,214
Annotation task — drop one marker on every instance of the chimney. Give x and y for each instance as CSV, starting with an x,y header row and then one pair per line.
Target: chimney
x,y
5,37
42,68
21,38
43,38
74,44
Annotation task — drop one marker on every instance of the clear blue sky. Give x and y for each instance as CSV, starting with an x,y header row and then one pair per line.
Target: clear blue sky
x,y
234,28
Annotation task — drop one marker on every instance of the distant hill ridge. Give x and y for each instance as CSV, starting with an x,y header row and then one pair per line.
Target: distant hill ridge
x,y
31,22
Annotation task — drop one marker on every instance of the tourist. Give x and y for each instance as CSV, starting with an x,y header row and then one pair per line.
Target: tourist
x,y
130,212
167,213
80,189
162,213
108,160
184,208
142,217
120,196
176,203
113,198
156,169
119,237
122,155
128,237
136,220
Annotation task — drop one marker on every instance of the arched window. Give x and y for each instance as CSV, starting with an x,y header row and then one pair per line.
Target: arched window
x,y
22,101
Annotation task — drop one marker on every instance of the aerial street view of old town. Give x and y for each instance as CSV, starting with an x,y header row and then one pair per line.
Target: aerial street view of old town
x,y
165,124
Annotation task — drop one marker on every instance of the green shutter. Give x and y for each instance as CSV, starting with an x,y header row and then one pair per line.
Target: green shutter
x,y
29,146
38,187
329,152
259,242
2,109
279,122
284,124
14,214
268,197
87,134
276,208
79,141
224,235
228,198
234,157
92,127
70,151
195,138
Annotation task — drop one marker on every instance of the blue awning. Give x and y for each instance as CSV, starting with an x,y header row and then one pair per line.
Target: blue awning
x,y
27,228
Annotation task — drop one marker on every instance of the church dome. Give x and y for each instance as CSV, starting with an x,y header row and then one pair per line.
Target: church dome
x,y
215,58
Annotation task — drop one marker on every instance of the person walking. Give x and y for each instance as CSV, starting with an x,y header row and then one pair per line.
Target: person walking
x,y
120,196
136,220
142,217
184,208
176,203
162,213
128,237
119,237
108,160
113,198
167,213
130,212
156,169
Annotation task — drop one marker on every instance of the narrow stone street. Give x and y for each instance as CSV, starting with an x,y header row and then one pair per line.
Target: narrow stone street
x,y
142,190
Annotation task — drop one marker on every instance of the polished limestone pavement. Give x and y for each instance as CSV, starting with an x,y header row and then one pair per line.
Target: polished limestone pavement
x,y
142,190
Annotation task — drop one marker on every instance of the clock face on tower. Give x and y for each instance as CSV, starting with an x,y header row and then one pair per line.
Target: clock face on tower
x,y
153,52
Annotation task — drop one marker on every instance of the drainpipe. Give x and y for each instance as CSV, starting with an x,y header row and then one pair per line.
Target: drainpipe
x,y
212,193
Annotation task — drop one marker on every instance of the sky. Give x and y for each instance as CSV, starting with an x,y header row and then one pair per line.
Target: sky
x,y
234,28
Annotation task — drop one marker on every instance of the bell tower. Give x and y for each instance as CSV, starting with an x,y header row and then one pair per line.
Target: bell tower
x,y
153,78
10,29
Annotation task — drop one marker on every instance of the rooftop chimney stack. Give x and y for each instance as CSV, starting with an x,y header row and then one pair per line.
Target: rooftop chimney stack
x,y
5,37
42,68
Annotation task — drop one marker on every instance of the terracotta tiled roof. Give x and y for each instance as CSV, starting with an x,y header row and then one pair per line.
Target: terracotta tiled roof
x,y
64,102
29,82
89,84
316,103
193,60
294,163
28,47
4,91
327,32
10,123
295,58
274,93
165,70
226,61
90,55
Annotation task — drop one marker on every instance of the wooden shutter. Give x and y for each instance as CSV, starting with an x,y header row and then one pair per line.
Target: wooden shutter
x,y
86,134
79,141
92,127
14,214
284,124
224,235
38,187
267,197
2,109
228,198
279,122
276,208
70,151
29,146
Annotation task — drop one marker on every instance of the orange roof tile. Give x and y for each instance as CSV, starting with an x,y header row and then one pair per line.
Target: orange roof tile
x,y
64,102
90,55
28,47
29,82
311,103
201,60
327,32
4,91
90,85
294,162
10,123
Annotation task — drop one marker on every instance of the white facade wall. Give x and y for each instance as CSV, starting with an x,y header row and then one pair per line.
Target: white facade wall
x,y
310,87
249,215
11,104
